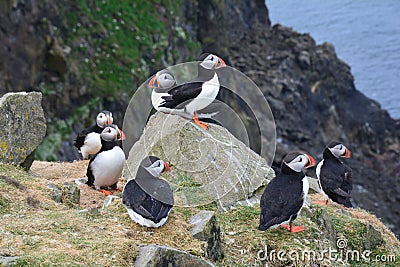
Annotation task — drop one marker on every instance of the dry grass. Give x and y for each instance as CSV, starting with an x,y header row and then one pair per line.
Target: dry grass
x,y
42,232
50,233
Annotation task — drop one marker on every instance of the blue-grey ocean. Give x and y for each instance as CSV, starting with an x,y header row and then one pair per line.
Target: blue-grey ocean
x,y
365,33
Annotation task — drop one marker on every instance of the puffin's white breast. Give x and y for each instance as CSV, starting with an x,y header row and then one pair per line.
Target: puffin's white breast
x,y
306,186
156,99
209,92
91,145
107,167
136,217
318,172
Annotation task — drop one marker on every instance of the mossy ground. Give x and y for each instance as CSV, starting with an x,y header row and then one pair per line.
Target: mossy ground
x,y
42,232
114,47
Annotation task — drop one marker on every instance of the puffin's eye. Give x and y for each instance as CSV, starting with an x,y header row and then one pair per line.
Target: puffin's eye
x,y
212,58
101,116
301,159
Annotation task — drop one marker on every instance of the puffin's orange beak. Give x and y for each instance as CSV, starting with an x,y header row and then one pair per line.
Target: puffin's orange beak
x,y
109,120
151,82
220,63
167,167
347,154
311,162
121,135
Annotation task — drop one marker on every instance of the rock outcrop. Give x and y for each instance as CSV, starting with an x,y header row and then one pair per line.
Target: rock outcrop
x,y
208,165
24,127
155,256
311,94
205,228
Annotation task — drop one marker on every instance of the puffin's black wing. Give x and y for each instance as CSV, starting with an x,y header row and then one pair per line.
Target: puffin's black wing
x,y
336,181
80,138
181,93
139,201
89,173
281,200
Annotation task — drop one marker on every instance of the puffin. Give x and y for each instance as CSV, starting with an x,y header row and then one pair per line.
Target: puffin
x,y
161,83
196,94
88,141
148,198
105,168
335,178
286,194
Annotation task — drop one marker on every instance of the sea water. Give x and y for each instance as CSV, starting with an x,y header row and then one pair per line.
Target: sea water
x,y
365,34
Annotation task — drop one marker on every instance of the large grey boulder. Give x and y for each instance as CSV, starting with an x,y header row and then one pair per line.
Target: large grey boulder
x,y
158,256
24,127
207,166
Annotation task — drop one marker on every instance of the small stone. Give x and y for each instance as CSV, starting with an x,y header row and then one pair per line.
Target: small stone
x,y
56,192
70,194
314,185
205,228
324,221
8,261
155,255
373,238
108,200
304,60
80,181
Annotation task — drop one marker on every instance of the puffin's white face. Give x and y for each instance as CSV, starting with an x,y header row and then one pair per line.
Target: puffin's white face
x,y
104,118
212,62
301,162
109,134
340,151
158,167
165,80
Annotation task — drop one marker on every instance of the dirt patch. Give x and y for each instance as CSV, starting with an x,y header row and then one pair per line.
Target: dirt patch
x,y
61,172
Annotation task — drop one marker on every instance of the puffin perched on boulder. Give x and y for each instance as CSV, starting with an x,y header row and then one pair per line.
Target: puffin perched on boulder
x,y
198,93
161,83
285,195
88,141
148,198
334,176
105,168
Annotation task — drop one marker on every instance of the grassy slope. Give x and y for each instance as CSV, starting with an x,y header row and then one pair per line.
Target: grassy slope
x,y
115,45
41,231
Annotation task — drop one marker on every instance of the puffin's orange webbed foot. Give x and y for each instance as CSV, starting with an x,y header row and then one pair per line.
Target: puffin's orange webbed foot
x,y
105,192
296,229
200,123
321,202
285,226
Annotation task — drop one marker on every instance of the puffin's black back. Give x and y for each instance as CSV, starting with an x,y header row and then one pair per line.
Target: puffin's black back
x,y
142,203
336,179
282,199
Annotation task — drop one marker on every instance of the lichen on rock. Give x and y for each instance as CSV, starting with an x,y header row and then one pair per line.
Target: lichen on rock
x,y
24,127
